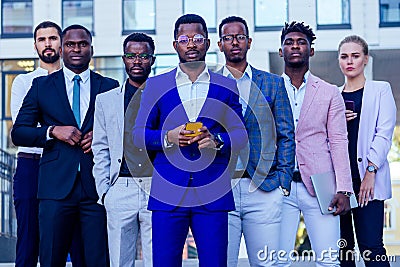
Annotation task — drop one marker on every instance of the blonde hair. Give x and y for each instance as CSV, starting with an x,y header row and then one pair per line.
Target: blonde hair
x,y
355,39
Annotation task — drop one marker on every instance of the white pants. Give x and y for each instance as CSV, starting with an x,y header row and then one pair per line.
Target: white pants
x,y
323,230
258,217
127,214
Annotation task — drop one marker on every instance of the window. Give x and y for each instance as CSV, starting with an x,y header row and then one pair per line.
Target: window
x,y
78,12
270,15
139,15
17,18
207,9
333,14
389,13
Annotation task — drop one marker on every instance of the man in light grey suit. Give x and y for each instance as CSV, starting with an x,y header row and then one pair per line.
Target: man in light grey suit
x,y
123,172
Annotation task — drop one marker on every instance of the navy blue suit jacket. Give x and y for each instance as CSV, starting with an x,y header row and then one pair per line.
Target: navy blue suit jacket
x,y
187,176
47,103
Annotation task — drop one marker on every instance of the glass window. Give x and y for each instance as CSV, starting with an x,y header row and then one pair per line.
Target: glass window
x,y
389,13
333,14
17,18
78,12
207,9
139,15
270,14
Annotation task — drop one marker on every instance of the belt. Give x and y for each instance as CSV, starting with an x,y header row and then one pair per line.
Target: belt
x,y
124,175
28,155
241,174
297,177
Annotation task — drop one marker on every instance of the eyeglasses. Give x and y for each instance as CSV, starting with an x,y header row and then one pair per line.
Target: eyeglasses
x,y
144,57
198,39
239,37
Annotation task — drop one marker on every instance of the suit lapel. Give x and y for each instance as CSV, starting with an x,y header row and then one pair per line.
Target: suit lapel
x,y
59,84
311,90
95,84
255,92
119,105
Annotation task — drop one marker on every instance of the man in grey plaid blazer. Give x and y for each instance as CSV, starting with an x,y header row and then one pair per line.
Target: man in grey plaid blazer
x,y
264,170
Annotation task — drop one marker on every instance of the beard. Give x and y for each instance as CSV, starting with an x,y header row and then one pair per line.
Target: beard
x,y
49,59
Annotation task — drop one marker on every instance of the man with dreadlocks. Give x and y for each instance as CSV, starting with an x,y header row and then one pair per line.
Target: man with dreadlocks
x,y
321,146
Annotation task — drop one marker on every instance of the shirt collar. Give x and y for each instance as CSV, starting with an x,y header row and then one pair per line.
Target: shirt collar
x,y
42,70
247,72
182,78
69,74
305,77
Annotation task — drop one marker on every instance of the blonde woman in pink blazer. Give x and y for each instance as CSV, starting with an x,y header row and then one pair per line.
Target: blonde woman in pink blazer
x,y
371,117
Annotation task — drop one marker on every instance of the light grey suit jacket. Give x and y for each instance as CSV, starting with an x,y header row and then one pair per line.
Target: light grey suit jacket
x,y
112,139
107,143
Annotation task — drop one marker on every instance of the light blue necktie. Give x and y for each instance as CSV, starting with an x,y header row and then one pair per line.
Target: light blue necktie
x,y
76,100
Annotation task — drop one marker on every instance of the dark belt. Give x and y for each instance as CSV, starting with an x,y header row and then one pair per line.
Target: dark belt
x,y
297,177
28,155
124,175
241,174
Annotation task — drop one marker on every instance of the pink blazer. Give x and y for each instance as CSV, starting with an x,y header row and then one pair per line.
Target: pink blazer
x,y
321,135
377,121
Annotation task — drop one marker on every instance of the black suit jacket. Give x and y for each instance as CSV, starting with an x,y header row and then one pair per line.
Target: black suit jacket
x,y
47,103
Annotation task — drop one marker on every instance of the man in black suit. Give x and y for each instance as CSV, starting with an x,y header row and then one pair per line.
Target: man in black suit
x,y
63,104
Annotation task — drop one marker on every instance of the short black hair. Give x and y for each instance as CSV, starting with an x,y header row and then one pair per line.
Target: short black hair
x,y
76,27
139,37
188,19
231,19
47,24
295,26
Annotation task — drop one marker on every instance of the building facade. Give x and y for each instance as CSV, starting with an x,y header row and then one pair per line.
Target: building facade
x,y
378,21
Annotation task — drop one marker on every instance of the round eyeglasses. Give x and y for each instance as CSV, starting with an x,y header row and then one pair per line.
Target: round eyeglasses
x,y
198,39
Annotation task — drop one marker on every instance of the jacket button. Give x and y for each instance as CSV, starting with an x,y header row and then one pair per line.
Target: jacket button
x,y
359,159
119,160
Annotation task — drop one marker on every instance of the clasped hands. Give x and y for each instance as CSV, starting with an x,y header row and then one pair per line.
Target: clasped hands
x,y
178,137
71,135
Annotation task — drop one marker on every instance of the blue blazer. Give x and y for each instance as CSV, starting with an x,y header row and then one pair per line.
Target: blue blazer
x,y
270,164
47,103
186,176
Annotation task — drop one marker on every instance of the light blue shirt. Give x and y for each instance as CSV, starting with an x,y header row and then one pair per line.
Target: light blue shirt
x,y
296,98
192,95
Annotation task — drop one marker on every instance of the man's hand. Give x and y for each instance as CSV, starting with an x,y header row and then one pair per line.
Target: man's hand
x,y
86,142
205,139
342,204
177,136
68,134
366,189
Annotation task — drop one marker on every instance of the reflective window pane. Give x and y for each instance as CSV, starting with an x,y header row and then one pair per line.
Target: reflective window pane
x,y
78,12
17,17
139,15
389,11
205,8
333,12
270,13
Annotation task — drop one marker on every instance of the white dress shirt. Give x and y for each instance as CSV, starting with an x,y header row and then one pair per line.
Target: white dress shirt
x,y
84,90
20,87
192,95
296,98
244,86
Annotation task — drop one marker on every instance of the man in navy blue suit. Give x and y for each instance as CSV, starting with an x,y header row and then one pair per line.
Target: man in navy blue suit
x,y
191,179
63,104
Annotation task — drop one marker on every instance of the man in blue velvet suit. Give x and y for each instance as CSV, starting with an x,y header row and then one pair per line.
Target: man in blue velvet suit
x,y
191,179
63,104
265,171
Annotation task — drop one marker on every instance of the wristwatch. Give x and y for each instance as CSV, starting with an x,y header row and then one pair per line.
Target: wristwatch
x,y
219,142
347,194
371,168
